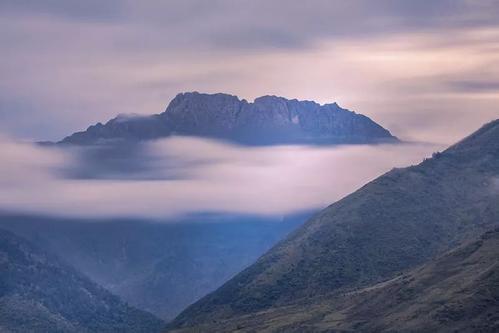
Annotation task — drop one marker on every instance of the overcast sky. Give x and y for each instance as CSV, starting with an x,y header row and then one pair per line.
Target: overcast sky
x,y
427,70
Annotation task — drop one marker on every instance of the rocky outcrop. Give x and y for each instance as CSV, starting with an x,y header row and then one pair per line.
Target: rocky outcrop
x,y
268,120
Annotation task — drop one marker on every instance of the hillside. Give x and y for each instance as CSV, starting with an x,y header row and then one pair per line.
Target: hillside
x,y
268,120
157,267
396,222
457,292
39,293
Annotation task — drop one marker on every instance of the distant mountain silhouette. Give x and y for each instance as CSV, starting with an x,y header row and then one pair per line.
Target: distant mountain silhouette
x,y
40,293
268,120
157,267
398,221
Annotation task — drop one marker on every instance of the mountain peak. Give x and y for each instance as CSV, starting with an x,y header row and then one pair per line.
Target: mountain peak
x,y
196,95
270,98
267,120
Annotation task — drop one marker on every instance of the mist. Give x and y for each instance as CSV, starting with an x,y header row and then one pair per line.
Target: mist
x,y
184,175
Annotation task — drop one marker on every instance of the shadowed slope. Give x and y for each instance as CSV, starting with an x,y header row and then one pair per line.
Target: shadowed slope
x,y
39,293
157,267
396,222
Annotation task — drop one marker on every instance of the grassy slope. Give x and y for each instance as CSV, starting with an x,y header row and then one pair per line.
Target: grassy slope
x,y
458,291
396,222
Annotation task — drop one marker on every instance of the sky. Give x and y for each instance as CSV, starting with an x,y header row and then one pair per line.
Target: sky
x,y
426,70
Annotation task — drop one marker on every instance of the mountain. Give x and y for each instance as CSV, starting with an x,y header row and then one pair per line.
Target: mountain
x,y
394,223
39,293
268,120
158,267
457,292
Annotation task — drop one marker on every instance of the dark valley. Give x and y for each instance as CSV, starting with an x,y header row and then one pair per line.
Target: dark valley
x,y
40,293
159,267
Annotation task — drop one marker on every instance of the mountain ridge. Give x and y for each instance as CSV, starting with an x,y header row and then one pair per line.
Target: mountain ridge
x,y
267,120
398,221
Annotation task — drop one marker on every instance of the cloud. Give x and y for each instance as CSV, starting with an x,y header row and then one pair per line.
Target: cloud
x,y
89,10
187,175
257,23
475,86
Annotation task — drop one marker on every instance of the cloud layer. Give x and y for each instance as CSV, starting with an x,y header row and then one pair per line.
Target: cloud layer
x,y
187,175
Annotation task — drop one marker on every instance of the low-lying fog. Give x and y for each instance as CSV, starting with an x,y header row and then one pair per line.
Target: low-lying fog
x,y
183,175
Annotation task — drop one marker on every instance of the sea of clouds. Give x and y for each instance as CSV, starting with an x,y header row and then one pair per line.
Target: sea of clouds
x,y
183,175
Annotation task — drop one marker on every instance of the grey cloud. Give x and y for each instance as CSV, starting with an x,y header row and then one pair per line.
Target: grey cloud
x,y
260,24
93,10
298,24
474,86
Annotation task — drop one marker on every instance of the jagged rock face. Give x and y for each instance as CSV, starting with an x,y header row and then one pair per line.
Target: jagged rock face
x,y
210,115
268,120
